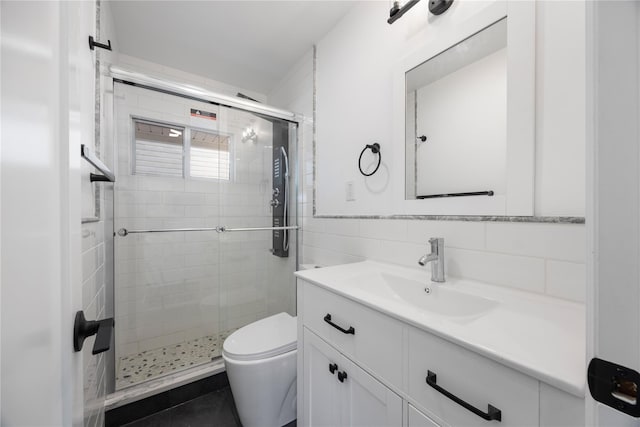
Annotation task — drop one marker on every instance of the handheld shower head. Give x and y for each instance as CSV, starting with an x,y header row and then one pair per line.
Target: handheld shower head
x,y
286,161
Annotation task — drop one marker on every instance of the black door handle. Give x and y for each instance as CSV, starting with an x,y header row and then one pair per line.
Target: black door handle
x,y
492,413
351,331
333,367
83,328
342,376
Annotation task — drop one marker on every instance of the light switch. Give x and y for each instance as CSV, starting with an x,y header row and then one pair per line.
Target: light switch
x,y
350,193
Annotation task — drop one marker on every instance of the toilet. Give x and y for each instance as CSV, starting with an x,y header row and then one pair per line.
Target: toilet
x,y
261,365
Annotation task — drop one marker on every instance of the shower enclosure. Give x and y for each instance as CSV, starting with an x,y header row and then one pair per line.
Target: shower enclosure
x,y
205,216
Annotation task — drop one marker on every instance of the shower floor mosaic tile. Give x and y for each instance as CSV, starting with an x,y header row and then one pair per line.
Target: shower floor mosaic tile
x,y
138,367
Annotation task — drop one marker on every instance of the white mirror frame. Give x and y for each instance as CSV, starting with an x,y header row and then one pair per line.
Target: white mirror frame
x,y
520,168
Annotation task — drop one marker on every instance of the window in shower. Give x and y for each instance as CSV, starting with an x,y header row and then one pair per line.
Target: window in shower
x,y
158,149
209,155
165,150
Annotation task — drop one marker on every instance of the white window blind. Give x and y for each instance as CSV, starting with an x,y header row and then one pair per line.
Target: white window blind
x,y
158,149
209,155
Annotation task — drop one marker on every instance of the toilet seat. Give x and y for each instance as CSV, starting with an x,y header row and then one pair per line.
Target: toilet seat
x,y
265,338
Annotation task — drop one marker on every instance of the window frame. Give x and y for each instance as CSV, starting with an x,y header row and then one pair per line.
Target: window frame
x,y
186,149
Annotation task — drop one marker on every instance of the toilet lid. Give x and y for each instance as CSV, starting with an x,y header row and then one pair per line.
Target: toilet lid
x,y
265,338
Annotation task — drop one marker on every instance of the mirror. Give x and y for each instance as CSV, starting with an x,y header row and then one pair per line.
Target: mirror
x,y
456,120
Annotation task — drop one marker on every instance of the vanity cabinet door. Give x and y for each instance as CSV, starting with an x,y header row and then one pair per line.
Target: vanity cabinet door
x,y
320,369
347,397
367,402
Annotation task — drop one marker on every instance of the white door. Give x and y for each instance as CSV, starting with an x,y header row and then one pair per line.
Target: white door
x,y
613,186
41,375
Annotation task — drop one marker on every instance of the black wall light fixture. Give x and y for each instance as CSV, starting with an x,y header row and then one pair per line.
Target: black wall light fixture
x,y
437,7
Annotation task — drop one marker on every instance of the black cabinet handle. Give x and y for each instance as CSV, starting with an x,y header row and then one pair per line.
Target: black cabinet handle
x,y
83,328
492,413
342,376
333,367
351,331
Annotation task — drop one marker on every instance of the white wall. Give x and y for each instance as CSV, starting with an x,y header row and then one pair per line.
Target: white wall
x,y
542,258
355,63
173,74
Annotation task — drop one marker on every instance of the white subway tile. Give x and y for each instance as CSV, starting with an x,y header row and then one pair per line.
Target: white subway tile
x,y
566,280
161,341
164,211
157,183
323,257
198,186
566,242
131,211
344,227
125,349
385,229
456,234
507,270
138,197
92,234
402,253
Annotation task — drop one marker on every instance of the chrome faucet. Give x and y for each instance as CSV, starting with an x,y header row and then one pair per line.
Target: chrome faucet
x,y
436,257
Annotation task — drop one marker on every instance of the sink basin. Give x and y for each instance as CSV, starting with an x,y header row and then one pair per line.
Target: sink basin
x,y
440,298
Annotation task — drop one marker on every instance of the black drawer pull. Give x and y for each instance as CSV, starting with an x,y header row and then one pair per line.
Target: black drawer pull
x,y
333,367
342,376
351,331
492,413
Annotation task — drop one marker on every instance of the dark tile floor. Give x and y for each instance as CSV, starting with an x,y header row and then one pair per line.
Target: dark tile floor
x,y
211,409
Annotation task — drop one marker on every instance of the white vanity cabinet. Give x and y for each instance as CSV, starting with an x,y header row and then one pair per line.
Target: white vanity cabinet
x,y
400,375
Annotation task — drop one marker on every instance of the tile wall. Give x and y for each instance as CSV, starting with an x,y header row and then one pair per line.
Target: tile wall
x,y
97,242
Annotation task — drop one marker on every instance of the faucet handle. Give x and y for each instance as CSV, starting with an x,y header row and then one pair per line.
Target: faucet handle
x,y
437,244
436,241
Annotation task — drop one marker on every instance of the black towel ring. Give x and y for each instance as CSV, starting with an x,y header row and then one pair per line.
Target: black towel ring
x,y
375,149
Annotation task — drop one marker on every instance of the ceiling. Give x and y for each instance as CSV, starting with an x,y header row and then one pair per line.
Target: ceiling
x,y
250,44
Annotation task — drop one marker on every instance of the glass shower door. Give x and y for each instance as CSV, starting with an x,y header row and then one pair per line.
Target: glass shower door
x,y
186,170
256,266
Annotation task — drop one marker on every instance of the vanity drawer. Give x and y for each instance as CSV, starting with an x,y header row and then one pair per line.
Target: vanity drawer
x,y
376,342
474,379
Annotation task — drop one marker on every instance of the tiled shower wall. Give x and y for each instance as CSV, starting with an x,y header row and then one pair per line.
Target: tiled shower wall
x,y
536,257
97,243
175,287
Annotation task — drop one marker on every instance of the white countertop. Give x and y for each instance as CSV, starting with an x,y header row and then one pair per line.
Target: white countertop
x,y
540,336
